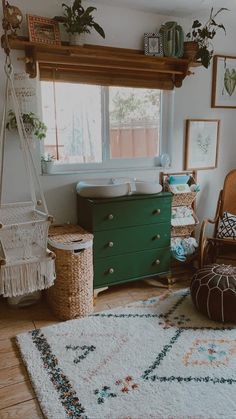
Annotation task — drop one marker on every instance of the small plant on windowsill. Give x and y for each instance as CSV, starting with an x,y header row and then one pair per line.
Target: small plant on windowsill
x,y
32,124
78,21
47,163
198,47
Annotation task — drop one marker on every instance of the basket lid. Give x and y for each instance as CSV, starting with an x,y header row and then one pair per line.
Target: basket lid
x,y
69,237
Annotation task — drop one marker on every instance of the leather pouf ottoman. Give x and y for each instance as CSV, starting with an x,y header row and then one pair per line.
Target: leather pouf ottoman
x,y
213,291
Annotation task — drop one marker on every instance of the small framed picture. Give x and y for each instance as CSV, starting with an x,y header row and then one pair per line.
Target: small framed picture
x,y
43,30
224,82
201,144
153,44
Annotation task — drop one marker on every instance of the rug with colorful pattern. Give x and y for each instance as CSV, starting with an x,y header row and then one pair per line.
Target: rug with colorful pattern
x,y
157,359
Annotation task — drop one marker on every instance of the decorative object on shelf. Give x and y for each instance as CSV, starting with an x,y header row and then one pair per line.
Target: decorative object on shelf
x,y
224,82
165,161
32,124
12,18
47,163
43,30
198,48
79,21
153,44
202,141
172,36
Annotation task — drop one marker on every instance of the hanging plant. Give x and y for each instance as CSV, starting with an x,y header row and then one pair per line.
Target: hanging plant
x,y
32,124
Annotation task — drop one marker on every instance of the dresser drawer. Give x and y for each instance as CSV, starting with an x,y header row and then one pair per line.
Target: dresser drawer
x,y
125,267
131,213
132,239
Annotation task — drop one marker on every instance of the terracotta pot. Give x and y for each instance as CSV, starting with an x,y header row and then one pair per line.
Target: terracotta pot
x,y
190,50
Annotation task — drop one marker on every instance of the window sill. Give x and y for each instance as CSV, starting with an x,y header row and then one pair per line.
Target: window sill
x,y
104,171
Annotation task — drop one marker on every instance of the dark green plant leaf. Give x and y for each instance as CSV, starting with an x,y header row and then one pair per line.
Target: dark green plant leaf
x,y
98,28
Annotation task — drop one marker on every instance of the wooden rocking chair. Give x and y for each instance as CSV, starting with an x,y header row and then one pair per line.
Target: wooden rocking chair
x,y
213,248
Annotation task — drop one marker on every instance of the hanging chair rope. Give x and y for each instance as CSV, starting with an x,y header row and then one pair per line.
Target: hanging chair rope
x,y
24,141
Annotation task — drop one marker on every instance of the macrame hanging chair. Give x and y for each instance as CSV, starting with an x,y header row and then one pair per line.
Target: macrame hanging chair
x,y
25,263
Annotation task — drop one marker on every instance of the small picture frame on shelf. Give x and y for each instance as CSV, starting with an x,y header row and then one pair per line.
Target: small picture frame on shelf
x,y
201,143
153,44
43,30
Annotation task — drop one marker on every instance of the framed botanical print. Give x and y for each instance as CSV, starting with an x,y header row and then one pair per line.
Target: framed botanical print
x,y
224,82
201,143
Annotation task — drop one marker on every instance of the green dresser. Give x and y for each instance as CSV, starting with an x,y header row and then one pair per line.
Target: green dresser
x,y
131,236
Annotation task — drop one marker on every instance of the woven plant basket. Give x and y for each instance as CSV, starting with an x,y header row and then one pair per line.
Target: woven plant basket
x,y
72,293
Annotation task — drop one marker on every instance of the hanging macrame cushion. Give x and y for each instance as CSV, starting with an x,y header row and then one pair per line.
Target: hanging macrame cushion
x,y
26,266
213,291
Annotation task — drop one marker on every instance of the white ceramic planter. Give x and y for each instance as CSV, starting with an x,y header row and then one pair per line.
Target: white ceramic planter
x,y
47,167
77,39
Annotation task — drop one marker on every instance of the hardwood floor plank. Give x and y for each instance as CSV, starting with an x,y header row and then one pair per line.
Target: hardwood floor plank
x,y
9,353
16,393
11,327
25,410
13,375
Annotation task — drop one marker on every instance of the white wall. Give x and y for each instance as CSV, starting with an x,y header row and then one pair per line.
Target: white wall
x,y
125,28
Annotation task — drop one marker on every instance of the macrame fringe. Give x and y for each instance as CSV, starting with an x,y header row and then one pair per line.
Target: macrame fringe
x,y
26,278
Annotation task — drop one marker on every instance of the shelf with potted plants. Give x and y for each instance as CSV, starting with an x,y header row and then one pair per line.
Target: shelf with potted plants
x,y
100,64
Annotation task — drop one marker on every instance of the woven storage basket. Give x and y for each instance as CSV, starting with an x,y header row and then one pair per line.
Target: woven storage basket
x,y
182,199
72,293
184,230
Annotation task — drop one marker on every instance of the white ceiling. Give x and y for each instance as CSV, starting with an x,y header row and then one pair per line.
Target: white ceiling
x,y
172,7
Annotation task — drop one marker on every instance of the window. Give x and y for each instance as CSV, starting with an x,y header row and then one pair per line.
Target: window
x,y
91,124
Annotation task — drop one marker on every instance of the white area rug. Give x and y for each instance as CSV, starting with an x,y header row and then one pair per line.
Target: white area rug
x,y
152,359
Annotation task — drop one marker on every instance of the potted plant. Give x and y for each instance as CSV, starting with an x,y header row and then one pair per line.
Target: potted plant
x,y
33,125
78,21
47,163
198,48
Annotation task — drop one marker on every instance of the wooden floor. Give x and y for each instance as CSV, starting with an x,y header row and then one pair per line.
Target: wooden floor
x,y
17,398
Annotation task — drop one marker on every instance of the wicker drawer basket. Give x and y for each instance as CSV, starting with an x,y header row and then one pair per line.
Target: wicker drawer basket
x,y
184,230
182,199
72,293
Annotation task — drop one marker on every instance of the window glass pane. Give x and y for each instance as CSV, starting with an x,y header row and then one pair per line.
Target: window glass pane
x,y
134,122
72,113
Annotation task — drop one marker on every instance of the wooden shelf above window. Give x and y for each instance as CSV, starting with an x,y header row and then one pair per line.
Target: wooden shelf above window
x,y
101,65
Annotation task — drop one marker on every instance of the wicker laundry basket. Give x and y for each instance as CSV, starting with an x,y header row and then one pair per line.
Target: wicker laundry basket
x,y
72,293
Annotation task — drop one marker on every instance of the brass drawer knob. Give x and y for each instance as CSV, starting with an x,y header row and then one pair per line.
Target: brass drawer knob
x,y
157,262
110,217
110,244
111,271
158,211
157,237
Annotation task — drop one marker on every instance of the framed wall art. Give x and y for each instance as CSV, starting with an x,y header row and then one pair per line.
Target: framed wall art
x,y
201,143
224,82
153,44
43,30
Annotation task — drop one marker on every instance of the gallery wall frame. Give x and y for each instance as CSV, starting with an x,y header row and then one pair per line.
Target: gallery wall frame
x,y
201,144
224,82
